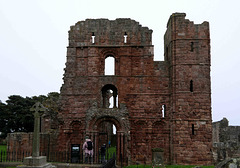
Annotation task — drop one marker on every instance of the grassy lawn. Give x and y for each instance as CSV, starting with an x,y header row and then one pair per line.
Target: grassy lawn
x,y
3,148
111,150
187,166
167,166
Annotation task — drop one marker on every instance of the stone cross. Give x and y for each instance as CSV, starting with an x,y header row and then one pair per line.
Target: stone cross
x,y
38,109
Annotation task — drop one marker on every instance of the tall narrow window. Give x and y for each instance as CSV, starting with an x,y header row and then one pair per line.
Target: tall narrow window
x,y
191,85
163,110
109,65
110,99
192,46
114,129
193,133
125,37
93,38
166,53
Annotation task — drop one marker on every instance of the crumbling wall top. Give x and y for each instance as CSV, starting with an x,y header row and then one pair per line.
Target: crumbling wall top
x,y
180,28
109,32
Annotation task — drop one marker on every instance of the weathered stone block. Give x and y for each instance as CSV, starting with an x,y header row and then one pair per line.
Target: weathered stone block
x,y
35,161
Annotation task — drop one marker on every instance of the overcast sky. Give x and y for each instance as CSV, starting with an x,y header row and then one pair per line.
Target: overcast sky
x,y
34,37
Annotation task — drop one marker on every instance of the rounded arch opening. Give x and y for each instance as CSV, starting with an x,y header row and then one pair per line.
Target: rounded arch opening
x,y
109,68
109,119
109,96
107,136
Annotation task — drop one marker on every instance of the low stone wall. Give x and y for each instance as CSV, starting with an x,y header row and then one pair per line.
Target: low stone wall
x,y
226,141
20,141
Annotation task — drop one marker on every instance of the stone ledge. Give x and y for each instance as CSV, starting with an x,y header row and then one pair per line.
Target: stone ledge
x,y
35,161
48,165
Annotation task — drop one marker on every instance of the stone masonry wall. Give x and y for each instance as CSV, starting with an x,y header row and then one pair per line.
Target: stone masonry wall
x,y
163,110
187,48
226,141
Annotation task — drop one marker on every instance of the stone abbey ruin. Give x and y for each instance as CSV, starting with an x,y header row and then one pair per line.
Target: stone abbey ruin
x,y
159,108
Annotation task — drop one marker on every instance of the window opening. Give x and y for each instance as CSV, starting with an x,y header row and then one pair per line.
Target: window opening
x,y
166,53
114,129
109,65
110,96
191,85
110,92
125,37
93,38
192,46
163,110
193,133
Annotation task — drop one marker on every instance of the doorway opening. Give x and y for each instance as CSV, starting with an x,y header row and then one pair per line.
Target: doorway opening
x,y
107,141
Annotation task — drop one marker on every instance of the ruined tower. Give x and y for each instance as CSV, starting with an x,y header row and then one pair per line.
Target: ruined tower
x,y
187,51
162,106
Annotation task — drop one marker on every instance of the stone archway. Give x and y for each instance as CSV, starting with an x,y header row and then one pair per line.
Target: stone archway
x,y
119,117
97,137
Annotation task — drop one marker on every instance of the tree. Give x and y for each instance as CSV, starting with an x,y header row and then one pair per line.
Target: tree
x,y
3,116
19,117
16,115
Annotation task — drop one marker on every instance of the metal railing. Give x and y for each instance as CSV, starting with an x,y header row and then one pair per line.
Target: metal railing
x,y
111,163
61,157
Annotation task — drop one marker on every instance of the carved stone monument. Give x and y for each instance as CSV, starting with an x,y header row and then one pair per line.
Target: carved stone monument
x,y
36,161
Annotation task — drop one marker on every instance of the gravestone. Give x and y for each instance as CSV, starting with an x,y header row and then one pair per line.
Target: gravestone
x,y
229,163
157,157
36,161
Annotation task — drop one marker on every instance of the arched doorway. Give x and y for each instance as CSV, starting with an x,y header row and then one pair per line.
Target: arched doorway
x,y
107,140
103,132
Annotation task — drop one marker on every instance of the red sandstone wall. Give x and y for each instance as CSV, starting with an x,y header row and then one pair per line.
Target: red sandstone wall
x,y
188,47
22,142
143,87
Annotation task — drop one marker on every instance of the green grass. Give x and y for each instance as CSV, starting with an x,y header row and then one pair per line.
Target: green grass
x,y
167,166
111,150
186,166
3,148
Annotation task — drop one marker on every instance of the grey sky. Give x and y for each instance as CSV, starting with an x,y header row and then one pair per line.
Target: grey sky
x,y
34,37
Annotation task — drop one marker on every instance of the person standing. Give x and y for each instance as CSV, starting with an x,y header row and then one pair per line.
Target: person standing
x,y
88,150
103,153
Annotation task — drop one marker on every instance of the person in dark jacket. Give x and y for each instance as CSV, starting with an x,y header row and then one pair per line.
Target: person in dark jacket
x,y
103,153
